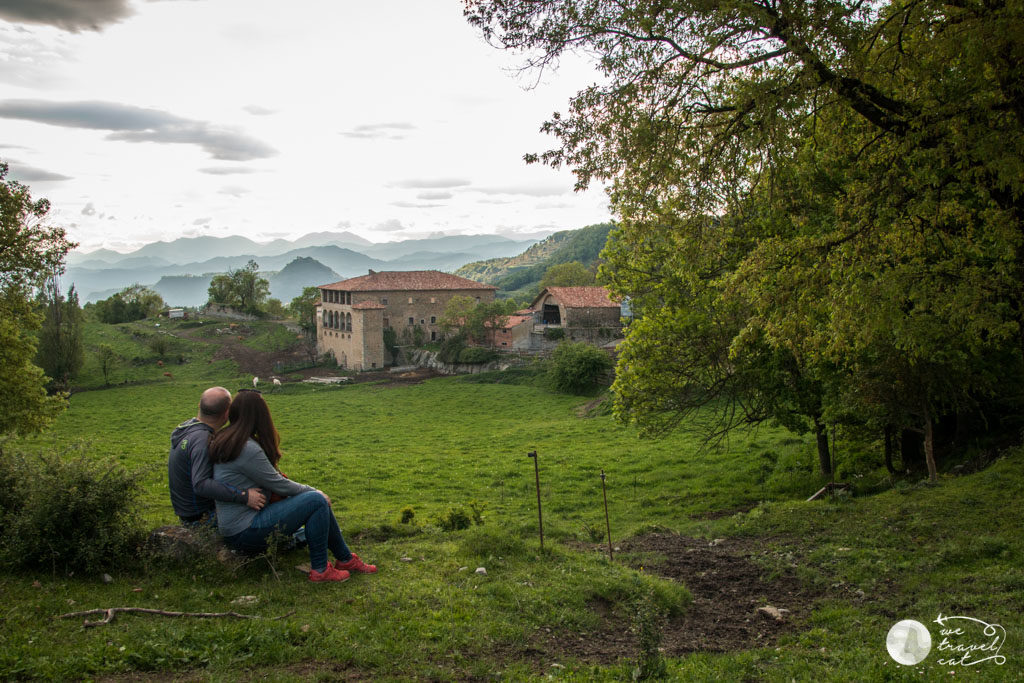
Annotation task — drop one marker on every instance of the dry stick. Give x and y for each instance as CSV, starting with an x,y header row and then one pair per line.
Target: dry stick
x,y
607,524
110,612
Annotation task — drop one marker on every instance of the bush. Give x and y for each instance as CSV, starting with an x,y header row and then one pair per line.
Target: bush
x,y
454,519
554,333
67,513
451,347
578,368
476,355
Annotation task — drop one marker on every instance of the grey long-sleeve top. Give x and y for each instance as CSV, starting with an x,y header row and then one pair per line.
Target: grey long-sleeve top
x,y
190,474
250,469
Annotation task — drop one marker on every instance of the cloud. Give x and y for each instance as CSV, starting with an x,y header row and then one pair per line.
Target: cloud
x,y
379,131
431,196
31,174
234,190
528,190
257,110
390,225
202,221
70,15
429,183
344,224
89,210
226,170
136,124
414,205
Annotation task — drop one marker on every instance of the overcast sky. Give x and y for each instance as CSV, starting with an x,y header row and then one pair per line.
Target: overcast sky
x,y
145,120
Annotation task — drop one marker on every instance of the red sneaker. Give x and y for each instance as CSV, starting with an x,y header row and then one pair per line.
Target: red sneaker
x,y
330,573
355,565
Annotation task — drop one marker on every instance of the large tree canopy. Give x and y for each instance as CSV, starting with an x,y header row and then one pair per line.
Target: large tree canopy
x,y
29,252
825,197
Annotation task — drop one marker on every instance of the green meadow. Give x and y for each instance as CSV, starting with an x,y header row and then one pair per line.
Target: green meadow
x,y
894,550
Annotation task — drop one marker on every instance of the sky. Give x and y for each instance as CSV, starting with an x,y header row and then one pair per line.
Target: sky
x,y
147,120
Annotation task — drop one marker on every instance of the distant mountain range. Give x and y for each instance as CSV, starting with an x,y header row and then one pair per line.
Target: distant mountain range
x,y
180,270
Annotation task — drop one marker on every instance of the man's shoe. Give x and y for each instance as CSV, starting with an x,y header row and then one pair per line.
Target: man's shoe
x,y
355,565
330,573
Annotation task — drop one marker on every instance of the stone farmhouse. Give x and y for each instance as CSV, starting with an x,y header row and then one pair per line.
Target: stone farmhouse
x,y
582,313
354,313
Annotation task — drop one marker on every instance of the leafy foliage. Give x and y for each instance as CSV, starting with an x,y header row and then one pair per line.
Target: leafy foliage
x,y
243,289
67,513
60,353
578,368
864,168
131,303
571,274
29,252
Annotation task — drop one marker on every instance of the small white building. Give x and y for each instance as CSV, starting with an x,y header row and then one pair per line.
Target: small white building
x,y
173,313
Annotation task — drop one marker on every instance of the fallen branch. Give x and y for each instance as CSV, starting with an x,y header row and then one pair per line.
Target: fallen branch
x,y
110,612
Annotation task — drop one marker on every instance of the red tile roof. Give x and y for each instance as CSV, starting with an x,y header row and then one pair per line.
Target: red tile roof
x,y
579,297
405,280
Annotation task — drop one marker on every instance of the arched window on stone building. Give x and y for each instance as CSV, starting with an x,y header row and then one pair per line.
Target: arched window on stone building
x,y
348,322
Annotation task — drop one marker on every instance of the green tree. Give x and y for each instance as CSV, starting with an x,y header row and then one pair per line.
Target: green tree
x,y
303,308
29,252
243,289
571,274
107,359
60,353
857,157
131,303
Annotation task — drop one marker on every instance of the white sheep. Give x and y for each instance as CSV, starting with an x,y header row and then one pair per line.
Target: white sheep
x,y
255,382
277,383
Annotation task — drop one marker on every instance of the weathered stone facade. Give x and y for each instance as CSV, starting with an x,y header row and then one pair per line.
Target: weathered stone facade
x,y
585,313
354,313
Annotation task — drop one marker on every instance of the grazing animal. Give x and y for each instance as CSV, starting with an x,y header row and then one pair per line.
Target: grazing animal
x,y
277,384
255,382
240,338
167,374
159,363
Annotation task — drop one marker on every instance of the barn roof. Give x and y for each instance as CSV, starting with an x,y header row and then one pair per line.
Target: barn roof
x,y
406,280
579,297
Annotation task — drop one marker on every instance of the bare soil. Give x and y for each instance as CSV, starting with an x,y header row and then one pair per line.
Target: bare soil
x,y
727,588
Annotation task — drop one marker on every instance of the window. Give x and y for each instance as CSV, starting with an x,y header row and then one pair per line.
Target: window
x,y
410,299
433,300
411,321
422,321
433,319
433,336
384,301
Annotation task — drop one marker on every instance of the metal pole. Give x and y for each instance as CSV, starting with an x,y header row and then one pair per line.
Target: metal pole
x,y
540,517
607,524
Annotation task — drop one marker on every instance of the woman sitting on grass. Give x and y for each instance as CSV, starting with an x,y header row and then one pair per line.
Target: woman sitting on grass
x,y
245,455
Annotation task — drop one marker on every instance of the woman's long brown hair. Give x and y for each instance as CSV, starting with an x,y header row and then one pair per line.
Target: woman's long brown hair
x,y
249,417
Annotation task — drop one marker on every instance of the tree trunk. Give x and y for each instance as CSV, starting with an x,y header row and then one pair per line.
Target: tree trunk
x,y
929,448
889,438
824,457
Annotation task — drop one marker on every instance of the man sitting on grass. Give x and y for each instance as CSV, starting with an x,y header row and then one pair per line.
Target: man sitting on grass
x,y
193,488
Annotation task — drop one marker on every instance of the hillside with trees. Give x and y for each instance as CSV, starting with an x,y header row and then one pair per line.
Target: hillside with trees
x,y
520,276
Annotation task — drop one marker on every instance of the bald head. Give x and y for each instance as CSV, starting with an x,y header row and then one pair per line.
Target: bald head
x,y
213,406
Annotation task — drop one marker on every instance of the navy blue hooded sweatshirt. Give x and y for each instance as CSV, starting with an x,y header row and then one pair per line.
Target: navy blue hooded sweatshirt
x,y
193,488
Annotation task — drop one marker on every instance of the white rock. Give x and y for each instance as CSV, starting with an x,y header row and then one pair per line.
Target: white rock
x,y
107,578
482,571
245,600
775,613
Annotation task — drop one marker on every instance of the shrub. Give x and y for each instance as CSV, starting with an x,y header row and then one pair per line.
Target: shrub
x,y
451,347
476,355
68,513
578,368
454,519
407,515
554,333
159,345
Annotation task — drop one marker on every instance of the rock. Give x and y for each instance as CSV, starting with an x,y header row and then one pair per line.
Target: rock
x,y
405,559
245,600
107,578
860,595
775,613
717,541
482,571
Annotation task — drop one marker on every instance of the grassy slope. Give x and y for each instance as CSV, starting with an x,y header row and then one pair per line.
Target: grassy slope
x,y
914,552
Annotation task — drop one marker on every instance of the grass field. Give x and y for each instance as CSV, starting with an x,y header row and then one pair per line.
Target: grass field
x,y
888,553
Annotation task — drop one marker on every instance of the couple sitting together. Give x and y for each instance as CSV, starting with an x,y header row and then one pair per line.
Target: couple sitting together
x,y
230,477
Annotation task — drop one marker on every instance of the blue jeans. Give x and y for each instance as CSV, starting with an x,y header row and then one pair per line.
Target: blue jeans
x,y
308,509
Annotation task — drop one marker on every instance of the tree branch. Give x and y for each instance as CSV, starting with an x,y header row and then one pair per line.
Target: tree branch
x,y
110,612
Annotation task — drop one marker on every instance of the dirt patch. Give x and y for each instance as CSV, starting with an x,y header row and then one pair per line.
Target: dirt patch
x,y
727,588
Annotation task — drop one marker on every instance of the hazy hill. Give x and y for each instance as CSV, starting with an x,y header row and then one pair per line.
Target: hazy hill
x,y
301,272
523,272
183,290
